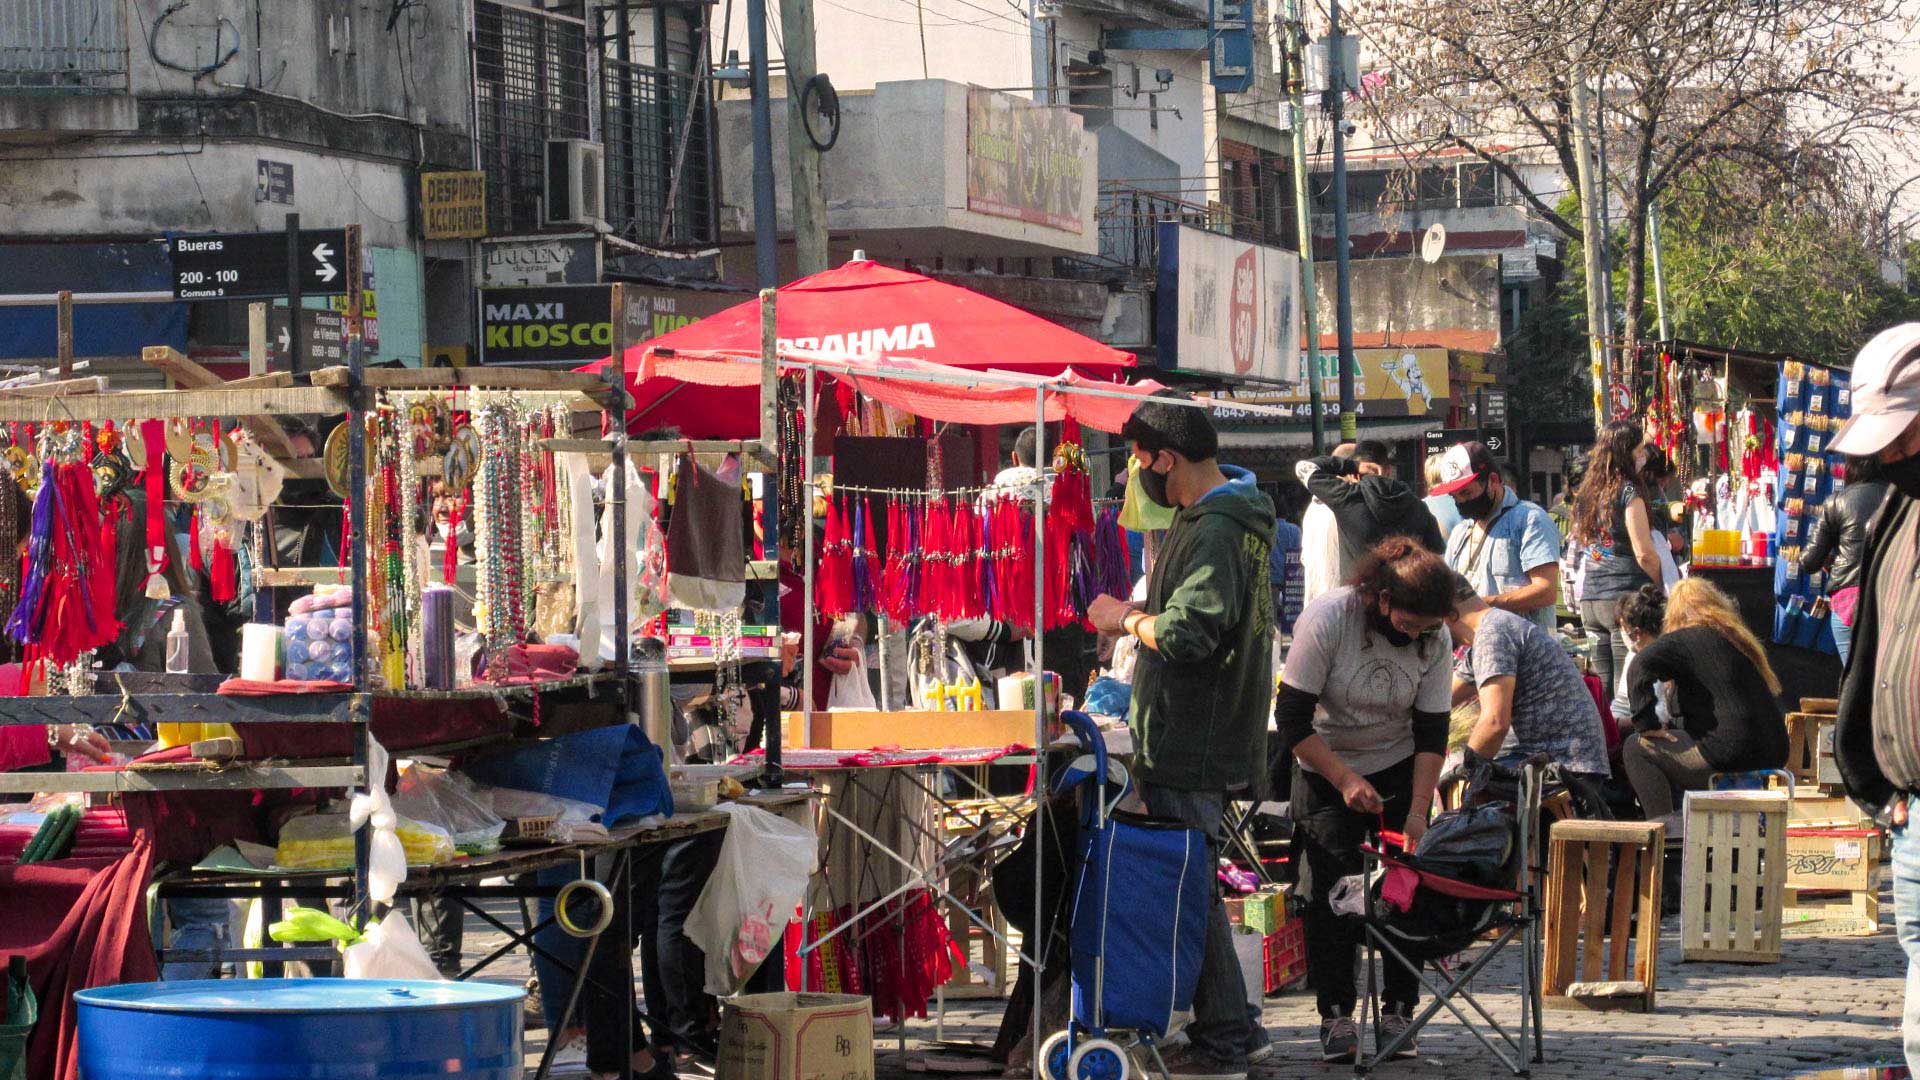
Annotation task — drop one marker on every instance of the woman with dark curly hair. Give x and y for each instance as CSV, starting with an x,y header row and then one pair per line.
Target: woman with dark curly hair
x,y
1363,706
1612,520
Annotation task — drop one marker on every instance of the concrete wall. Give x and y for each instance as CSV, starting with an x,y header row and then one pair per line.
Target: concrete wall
x,y
896,182
1460,292
139,188
336,54
863,43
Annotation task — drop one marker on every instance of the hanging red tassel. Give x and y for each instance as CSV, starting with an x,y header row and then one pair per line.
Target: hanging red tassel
x,y
223,572
194,558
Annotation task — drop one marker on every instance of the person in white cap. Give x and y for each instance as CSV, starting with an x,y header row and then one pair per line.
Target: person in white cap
x,y
1505,545
1877,737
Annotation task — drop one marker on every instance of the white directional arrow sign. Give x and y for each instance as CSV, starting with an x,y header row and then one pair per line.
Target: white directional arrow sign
x,y
286,340
322,253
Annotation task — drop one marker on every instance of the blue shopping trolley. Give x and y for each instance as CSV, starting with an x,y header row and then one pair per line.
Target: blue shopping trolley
x,y
1139,924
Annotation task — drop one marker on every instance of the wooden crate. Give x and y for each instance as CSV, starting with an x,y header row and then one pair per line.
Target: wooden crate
x,y
1733,876
1833,882
1810,750
1603,877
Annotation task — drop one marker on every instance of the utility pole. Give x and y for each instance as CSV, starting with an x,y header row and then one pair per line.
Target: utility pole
x,y
803,158
1294,50
1590,247
1343,291
1659,276
766,223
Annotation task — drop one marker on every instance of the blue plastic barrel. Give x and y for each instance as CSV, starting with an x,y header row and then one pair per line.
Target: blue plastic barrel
x,y
300,1029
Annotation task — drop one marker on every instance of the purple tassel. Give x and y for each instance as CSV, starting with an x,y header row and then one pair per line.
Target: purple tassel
x,y
24,626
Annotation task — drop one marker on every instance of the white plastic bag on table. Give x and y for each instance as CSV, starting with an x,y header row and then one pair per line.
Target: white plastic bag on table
x,y
451,801
851,691
765,863
390,950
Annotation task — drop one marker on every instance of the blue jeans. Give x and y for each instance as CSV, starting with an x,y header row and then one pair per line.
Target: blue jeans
x,y
1842,637
1225,1025
1906,920
197,924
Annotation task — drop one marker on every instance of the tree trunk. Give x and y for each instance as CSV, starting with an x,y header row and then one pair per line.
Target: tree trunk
x,y
1636,298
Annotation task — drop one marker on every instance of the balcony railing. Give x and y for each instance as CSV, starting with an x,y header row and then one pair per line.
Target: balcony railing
x,y
1129,220
63,47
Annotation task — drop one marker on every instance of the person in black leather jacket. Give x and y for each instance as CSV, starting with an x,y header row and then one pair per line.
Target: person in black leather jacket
x,y
1838,544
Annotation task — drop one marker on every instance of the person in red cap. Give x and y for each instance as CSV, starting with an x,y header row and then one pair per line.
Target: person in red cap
x,y
1877,737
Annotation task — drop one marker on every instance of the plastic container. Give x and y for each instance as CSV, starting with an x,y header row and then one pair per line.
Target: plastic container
x,y
177,644
301,1029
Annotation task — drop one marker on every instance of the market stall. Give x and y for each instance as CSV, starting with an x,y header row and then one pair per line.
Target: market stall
x,y
368,666
920,550
1748,433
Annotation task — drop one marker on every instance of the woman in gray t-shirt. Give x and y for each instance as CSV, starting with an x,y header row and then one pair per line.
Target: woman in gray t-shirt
x,y
1363,707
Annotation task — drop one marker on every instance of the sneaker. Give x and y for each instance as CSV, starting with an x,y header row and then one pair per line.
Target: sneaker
x,y
1339,1039
573,1052
1186,1063
1391,1025
1262,1048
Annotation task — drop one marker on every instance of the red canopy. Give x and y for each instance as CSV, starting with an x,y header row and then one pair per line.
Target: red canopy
x,y
861,309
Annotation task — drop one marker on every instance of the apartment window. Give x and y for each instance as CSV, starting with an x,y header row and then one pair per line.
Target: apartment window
x,y
1477,187
530,85
657,120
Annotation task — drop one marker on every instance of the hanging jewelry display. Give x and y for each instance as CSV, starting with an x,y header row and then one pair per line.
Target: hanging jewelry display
x,y
499,607
792,505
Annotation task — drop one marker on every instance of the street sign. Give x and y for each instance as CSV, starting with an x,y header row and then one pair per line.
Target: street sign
x,y
1438,441
1496,408
326,335
273,181
250,266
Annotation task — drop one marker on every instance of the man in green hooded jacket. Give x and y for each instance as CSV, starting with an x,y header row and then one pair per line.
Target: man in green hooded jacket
x,y
1203,685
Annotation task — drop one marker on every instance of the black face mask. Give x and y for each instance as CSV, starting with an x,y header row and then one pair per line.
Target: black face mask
x,y
1395,637
1476,508
1904,475
1154,486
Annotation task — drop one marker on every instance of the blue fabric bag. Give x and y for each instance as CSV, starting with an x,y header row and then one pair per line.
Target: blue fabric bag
x,y
616,768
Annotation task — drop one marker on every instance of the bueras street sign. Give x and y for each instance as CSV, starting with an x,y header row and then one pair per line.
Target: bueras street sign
x,y
247,266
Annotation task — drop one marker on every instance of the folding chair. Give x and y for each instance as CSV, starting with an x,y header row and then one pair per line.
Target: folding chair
x,y
1508,914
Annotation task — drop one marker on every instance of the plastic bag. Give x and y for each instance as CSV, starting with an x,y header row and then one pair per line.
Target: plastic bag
x,y
451,801
573,821
325,842
388,949
851,691
742,915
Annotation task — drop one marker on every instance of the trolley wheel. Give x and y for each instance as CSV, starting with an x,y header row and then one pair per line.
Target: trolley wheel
x,y
1055,1054
1099,1059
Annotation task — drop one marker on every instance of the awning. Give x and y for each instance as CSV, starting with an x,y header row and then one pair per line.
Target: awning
x,y
861,309
934,391
1285,438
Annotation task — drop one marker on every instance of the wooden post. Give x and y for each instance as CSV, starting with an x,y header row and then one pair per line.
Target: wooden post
x,y
65,343
803,159
257,345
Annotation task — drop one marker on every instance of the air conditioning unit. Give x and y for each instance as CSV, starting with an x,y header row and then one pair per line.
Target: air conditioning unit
x,y
576,183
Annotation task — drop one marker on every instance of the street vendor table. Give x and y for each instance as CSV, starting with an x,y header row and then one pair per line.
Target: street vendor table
x,y
462,880
1803,673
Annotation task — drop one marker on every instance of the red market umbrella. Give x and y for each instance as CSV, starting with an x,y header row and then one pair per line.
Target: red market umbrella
x,y
861,309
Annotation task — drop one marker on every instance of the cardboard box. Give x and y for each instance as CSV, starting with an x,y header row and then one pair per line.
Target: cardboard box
x,y
1837,860
1266,910
793,1036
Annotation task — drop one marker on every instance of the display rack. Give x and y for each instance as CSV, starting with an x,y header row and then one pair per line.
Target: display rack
x,y
257,403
